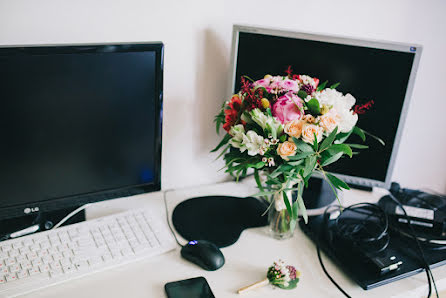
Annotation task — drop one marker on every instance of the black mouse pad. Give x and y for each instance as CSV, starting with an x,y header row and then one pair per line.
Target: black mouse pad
x,y
218,219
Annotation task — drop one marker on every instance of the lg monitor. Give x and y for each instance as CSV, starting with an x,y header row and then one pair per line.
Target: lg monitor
x,y
78,124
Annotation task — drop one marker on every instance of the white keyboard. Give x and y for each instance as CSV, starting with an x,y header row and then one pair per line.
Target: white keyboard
x,y
47,258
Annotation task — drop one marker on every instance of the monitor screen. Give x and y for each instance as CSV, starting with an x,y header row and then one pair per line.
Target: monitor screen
x,y
78,121
367,72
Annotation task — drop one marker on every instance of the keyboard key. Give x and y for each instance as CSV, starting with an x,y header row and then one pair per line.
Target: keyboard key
x,y
22,274
10,261
15,268
81,264
17,245
44,268
68,268
34,271
56,272
32,255
10,277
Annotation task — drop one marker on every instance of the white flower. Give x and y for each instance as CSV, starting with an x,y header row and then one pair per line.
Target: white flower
x,y
347,120
252,142
259,117
328,97
237,132
307,80
271,162
342,105
267,123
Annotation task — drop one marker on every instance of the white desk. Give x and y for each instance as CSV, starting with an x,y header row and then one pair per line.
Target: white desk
x,y
246,260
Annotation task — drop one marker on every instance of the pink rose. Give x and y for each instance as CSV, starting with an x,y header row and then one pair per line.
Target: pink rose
x,y
289,85
288,108
263,82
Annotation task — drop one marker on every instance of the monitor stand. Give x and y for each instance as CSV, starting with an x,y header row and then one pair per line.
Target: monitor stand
x,y
46,220
317,195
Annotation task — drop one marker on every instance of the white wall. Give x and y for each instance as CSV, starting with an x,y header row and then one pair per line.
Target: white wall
x,y
197,35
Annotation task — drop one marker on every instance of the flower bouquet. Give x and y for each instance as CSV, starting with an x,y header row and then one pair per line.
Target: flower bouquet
x,y
287,127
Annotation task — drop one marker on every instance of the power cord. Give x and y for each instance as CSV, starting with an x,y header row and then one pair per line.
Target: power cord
x,y
70,215
430,277
167,217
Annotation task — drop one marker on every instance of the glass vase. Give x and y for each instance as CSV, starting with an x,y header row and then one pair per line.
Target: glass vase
x,y
278,217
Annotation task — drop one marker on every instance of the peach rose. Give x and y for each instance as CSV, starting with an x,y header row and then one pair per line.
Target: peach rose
x,y
308,132
309,118
294,128
286,149
329,121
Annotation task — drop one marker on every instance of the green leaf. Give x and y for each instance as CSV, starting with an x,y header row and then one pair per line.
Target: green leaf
x,y
300,156
302,94
223,142
310,163
322,86
375,137
268,111
358,146
332,159
282,138
257,165
315,144
220,118
223,152
296,210
301,203
245,76
313,106
296,163
342,137
264,193
335,85
329,140
291,284
336,148
359,132
302,146
287,204
257,178
338,183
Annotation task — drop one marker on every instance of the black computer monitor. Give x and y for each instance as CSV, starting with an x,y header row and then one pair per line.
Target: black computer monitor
x,y
78,124
370,70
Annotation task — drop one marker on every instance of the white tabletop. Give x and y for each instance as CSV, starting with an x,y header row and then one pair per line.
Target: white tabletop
x,y
246,260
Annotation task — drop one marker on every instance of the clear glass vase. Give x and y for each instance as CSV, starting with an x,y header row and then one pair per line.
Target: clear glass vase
x,y
279,219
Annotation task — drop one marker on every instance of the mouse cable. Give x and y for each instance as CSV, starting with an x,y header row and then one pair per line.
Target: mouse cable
x,y
430,276
167,217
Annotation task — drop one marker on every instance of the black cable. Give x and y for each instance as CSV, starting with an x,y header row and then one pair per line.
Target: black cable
x,y
318,249
352,229
167,218
429,274
327,274
342,230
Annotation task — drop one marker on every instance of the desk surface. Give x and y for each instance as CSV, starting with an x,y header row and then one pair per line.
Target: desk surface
x,y
246,260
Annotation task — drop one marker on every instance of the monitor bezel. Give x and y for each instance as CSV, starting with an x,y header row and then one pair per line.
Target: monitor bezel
x,y
385,45
96,196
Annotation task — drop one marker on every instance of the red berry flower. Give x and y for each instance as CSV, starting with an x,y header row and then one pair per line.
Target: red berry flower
x,y
363,108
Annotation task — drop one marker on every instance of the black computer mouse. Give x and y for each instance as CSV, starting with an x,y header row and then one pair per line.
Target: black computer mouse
x,y
205,254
